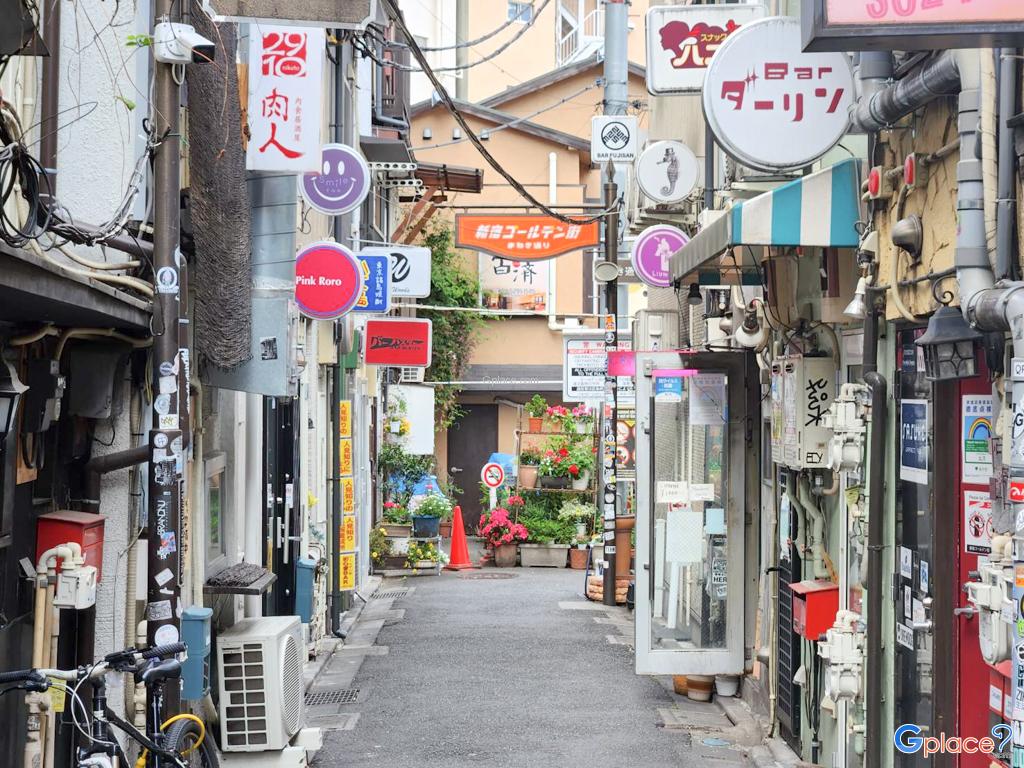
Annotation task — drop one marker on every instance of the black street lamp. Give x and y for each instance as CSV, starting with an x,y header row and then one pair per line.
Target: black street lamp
x,y
10,393
950,346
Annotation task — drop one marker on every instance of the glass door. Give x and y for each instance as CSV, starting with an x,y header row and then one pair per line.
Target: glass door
x,y
696,454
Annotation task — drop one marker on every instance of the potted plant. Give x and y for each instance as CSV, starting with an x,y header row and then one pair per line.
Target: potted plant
x,y
422,554
547,543
581,462
561,418
426,519
580,514
529,466
554,468
501,536
584,417
380,547
536,408
397,521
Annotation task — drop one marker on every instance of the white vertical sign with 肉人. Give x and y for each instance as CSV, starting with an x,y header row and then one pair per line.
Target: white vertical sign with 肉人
x,y
285,98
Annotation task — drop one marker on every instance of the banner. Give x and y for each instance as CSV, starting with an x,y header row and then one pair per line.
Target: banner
x,y
523,236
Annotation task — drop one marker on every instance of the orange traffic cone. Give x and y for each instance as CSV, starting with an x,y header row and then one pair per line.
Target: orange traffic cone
x,y
459,560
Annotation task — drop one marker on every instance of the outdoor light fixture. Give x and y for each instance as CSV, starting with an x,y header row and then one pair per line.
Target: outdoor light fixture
x,y
427,133
693,298
605,271
908,234
950,346
857,309
751,334
10,393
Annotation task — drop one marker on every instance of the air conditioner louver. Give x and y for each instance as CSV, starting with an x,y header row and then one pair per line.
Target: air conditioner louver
x,y
260,682
411,376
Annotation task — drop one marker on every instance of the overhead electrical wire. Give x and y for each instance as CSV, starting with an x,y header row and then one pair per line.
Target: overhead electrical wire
x,y
482,38
446,99
424,66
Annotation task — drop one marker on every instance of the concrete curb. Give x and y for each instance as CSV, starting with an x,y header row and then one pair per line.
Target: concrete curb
x,y
771,752
327,647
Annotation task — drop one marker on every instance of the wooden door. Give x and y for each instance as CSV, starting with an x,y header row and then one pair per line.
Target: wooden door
x,y
471,441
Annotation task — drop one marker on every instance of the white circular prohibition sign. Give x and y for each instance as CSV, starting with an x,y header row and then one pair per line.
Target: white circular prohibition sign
x,y
492,475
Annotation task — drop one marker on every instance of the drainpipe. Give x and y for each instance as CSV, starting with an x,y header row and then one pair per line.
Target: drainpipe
x,y
817,517
876,488
879,108
98,466
50,94
874,72
1006,195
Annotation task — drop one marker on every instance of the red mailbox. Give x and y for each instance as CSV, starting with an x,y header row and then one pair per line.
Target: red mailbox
x,y
84,528
815,605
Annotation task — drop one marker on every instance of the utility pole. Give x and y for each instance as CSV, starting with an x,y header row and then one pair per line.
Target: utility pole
x,y
170,369
616,99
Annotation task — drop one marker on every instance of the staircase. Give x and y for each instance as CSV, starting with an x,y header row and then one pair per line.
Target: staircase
x,y
583,39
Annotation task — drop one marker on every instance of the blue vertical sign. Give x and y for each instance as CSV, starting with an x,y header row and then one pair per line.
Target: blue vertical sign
x,y
914,441
376,296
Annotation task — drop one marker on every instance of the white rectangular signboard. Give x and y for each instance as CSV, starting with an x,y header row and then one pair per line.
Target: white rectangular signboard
x,y
410,269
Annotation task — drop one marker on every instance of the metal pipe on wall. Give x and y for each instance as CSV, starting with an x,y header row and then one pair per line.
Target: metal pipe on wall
x,y
1006,195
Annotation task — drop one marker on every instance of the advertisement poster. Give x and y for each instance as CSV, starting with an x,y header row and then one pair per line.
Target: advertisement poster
x,y
585,363
977,522
976,431
348,533
707,400
345,456
345,418
348,496
914,441
626,445
347,573
523,236
512,284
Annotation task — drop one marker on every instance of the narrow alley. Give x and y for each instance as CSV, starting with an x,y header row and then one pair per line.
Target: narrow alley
x,y
506,668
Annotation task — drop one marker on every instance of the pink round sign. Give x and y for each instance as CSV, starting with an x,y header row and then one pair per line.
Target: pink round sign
x,y
652,254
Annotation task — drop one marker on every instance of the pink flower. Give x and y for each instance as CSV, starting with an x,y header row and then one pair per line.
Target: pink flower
x,y
507,538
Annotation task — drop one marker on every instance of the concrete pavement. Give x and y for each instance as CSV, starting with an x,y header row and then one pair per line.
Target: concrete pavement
x,y
505,668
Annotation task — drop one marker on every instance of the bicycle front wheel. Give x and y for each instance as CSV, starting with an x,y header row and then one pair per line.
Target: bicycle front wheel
x,y
181,738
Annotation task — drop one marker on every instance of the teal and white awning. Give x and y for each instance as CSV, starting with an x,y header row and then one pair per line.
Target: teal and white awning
x,y
818,210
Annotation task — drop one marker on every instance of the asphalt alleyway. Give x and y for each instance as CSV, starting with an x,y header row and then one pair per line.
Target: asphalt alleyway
x,y
506,669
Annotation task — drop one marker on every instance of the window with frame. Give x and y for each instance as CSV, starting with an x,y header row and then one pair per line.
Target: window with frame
x,y
521,12
216,507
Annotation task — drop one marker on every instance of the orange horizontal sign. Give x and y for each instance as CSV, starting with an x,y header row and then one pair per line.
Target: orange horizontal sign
x,y
523,236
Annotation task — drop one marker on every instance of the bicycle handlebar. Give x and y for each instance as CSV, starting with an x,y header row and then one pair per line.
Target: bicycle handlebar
x,y
39,676
21,676
161,651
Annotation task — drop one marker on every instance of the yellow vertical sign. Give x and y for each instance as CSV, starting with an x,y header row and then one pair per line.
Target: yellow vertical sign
x,y
348,496
345,418
347,575
348,534
345,456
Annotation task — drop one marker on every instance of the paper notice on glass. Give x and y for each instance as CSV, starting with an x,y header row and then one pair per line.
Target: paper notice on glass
x,y
707,400
683,542
673,492
702,492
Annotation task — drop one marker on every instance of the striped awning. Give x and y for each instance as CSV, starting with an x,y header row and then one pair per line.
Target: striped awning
x,y
820,209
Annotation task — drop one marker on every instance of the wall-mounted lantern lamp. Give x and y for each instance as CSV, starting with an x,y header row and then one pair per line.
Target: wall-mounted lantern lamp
x,y
11,389
693,298
950,346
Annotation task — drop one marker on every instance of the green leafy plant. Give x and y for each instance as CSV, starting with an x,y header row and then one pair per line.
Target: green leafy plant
x,y
537,407
422,551
138,41
577,511
435,506
401,471
530,457
542,530
380,547
454,333
396,513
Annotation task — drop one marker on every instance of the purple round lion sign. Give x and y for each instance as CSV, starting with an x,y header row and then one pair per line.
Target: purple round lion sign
x,y
652,254
341,185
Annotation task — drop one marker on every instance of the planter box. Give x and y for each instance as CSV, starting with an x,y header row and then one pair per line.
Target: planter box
x,y
400,530
399,545
424,527
555,483
446,529
543,555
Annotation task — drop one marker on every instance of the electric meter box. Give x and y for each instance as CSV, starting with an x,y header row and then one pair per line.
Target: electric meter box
x,y
68,525
802,391
656,330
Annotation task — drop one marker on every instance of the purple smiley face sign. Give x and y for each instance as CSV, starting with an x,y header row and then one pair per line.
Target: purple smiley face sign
x,y
652,254
341,185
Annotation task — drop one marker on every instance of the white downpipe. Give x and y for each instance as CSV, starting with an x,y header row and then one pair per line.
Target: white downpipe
x,y
197,561
553,323
989,151
817,542
254,496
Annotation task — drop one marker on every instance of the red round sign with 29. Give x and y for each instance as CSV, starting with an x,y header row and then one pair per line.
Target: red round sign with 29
x,y
328,280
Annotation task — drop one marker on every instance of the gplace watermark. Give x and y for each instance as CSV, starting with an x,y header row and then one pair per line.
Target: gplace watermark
x,y
908,740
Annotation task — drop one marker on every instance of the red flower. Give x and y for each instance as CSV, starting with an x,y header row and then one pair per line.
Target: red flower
x,y
574,470
563,451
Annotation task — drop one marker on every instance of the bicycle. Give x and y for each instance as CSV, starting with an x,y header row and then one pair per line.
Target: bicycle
x,y
178,742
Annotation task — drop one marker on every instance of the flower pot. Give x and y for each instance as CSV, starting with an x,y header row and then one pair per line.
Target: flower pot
x,y
584,429
422,565
536,423
727,685
555,483
623,528
527,476
446,529
505,555
679,684
699,687
394,562
543,555
578,559
581,531
582,482
424,527
399,530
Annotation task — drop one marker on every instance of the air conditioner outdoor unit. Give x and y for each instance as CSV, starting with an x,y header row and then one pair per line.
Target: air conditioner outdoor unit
x,y
411,375
259,664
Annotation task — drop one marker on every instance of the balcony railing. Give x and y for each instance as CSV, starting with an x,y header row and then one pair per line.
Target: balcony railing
x,y
586,38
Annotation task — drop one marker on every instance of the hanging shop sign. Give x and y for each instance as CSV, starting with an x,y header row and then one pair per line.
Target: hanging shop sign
x,y
914,441
914,25
410,269
328,280
652,253
524,237
613,137
285,98
512,284
584,367
682,39
375,296
771,106
351,14
342,183
398,342
667,171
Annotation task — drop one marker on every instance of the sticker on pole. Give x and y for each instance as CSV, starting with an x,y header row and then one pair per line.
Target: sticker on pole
x,y
493,475
613,137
